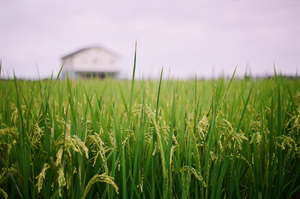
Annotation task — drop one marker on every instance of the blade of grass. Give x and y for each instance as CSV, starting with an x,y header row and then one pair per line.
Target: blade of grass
x,y
22,143
158,94
132,85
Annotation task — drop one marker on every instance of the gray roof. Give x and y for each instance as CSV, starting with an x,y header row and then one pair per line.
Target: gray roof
x,y
91,47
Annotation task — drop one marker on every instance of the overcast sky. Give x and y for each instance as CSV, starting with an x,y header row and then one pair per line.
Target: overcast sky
x,y
183,36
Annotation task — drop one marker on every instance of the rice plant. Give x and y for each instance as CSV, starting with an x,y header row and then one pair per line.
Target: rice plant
x,y
109,138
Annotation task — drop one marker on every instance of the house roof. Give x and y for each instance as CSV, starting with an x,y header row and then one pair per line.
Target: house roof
x,y
87,48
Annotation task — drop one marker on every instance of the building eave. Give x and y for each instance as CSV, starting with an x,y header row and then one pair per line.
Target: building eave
x,y
91,47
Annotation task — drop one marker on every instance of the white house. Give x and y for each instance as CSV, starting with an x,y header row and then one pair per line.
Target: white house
x,y
91,62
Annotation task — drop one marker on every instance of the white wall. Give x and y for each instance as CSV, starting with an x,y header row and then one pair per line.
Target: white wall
x,y
92,60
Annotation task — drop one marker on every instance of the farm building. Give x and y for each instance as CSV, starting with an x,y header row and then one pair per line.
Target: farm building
x,y
91,62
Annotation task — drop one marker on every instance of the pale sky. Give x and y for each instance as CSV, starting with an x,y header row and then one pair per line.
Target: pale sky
x,y
186,37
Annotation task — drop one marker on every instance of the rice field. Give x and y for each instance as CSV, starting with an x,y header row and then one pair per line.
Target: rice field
x,y
222,138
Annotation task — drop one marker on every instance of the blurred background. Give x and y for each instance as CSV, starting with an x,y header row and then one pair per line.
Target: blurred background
x,y
207,38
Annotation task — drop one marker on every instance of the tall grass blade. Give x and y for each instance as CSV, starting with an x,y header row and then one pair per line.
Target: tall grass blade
x,y
132,85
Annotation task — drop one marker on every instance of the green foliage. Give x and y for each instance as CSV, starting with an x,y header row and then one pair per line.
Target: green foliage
x,y
111,138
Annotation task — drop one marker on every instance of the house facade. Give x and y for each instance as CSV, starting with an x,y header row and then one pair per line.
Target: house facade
x,y
91,62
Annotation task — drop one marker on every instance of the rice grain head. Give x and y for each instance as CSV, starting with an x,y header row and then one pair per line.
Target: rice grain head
x,y
41,177
100,178
61,179
4,194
